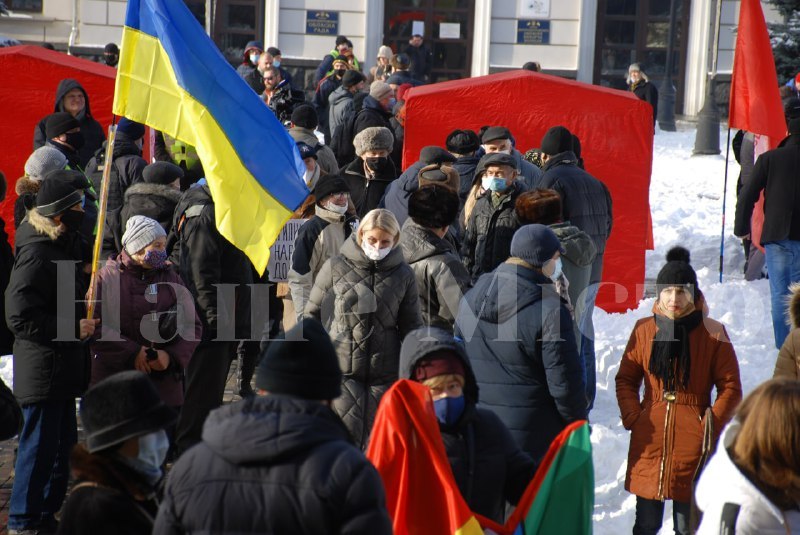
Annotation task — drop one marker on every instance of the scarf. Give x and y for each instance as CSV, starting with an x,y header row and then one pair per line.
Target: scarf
x,y
670,359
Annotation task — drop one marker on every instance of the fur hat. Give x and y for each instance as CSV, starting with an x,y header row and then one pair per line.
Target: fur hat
x,y
462,141
535,244
539,206
303,364
59,123
677,271
557,140
42,161
373,138
162,173
436,174
141,231
380,90
305,116
122,406
433,206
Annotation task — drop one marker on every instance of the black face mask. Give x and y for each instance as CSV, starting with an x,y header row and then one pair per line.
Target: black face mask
x,y
376,163
340,72
75,140
72,219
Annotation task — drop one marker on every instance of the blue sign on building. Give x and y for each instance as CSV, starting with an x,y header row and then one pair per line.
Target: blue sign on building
x,y
322,22
533,32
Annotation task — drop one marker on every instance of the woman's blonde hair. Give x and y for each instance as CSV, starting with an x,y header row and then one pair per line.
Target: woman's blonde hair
x,y
766,446
379,218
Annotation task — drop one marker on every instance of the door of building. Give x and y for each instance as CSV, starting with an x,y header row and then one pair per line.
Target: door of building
x,y
446,26
637,31
233,24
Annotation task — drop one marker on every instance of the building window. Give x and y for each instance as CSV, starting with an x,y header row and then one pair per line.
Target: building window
x,y
31,6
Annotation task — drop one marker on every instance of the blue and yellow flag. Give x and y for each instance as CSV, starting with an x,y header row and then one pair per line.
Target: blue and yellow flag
x,y
172,77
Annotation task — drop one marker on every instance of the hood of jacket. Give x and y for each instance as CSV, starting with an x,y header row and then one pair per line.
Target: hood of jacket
x,y
305,135
155,190
339,95
494,300
27,185
579,246
421,342
419,243
65,86
123,146
36,228
272,428
372,104
353,252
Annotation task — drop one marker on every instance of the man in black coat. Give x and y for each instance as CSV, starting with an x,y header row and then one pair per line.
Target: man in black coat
x,y
520,342
64,134
490,469
775,173
372,171
377,108
421,59
463,145
71,97
322,94
586,203
641,86
280,462
493,221
45,310
217,275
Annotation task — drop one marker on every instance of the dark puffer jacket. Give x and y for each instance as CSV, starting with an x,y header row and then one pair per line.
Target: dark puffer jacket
x,y
126,170
487,239
155,201
372,114
273,464
45,369
93,133
489,468
367,194
519,338
370,307
586,202
442,279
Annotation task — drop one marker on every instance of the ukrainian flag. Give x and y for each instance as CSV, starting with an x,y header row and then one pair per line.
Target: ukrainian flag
x,y
173,78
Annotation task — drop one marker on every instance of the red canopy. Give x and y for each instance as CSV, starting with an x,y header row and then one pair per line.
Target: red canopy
x,y
30,76
616,133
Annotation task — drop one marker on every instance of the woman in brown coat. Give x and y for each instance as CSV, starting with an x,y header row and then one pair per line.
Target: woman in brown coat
x,y
788,363
681,355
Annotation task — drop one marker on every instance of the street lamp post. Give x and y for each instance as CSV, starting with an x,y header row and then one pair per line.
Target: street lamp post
x,y
707,140
666,93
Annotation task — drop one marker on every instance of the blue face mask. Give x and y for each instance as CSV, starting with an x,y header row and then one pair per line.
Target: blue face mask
x,y
392,103
449,410
556,270
497,184
254,58
276,63
153,449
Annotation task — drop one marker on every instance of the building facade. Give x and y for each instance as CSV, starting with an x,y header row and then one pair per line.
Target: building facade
x,y
589,40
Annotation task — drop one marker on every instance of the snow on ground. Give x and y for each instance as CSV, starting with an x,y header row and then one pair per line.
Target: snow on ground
x,y
686,205
685,198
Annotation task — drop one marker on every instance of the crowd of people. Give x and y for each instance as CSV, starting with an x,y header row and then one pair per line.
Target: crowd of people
x,y
473,272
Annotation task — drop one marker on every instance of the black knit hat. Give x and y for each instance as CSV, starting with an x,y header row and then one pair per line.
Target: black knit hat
x,y
557,140
462,141
302,364
130,129
352,78
433,206
122,406
162,173
677,271
329,184
305,116
59,123
56,196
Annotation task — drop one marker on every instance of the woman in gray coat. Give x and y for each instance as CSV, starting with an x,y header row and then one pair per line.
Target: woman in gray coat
x,y
367,296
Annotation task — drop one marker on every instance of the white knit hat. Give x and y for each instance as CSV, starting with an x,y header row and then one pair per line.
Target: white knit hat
x,y
42,161
141,231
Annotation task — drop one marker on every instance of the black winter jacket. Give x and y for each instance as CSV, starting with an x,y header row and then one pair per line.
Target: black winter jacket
x,y
367,194
647,91
487,239
369,308
44,368
273,464
206,259
520,341
775,173
442,279
372,114
127,168
6,265
156,201
93,134
586,202
489,467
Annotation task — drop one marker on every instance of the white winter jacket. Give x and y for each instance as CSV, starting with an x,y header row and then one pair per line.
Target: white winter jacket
x,y
722,482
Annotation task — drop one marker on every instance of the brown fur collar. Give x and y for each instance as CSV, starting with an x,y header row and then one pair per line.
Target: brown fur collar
x,y
45,225
106,472
26,185
794,304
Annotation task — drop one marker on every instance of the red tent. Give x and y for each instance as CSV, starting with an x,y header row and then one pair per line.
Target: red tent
x,y
30,76
616,133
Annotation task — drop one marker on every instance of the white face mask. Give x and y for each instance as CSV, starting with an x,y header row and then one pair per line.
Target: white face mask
x,y
556,269
276,63
333,207
373,253
254,58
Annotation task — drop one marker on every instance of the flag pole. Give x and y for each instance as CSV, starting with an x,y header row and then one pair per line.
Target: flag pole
x,y
101,218
724,196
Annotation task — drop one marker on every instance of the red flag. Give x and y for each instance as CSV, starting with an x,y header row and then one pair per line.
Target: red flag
x,y
755,101
407,449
